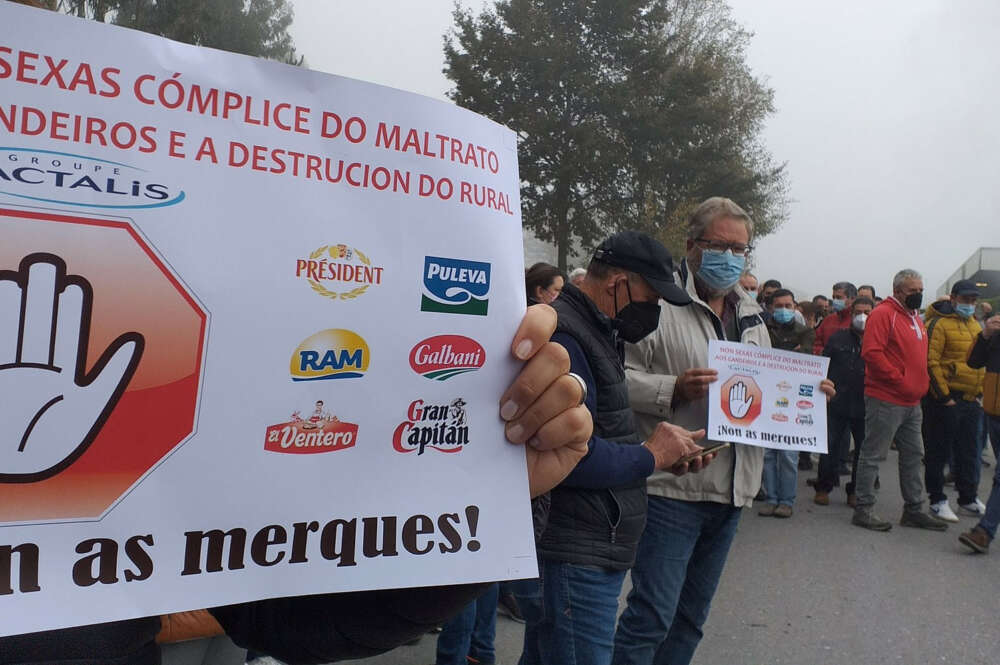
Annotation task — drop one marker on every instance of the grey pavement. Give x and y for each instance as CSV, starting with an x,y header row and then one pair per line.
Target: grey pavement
x,y
815,590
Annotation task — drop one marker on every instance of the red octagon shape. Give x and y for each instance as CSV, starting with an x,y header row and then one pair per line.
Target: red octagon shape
x,y
134,291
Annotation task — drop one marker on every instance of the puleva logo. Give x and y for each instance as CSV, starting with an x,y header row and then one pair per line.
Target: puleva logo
x,y
338,272
445,356
455,286
78,180
330,354
441,427
321,432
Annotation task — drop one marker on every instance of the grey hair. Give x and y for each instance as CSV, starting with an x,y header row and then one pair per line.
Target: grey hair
x,y
576,272
902,276
849,289
717,207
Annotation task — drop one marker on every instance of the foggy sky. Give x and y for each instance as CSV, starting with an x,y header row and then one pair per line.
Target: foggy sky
x,y
886,116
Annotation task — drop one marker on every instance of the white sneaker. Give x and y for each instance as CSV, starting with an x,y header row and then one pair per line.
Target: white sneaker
x,y
943,511
976,508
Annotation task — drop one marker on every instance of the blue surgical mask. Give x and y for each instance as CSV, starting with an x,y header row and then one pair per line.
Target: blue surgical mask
x,y
752,294
838,304
783,315
965,311
720,270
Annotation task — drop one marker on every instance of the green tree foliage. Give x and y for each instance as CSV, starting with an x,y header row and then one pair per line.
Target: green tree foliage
x,y
629,112
252,27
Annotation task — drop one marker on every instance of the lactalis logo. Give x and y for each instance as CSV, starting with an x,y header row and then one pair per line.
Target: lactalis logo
x,y
455,286
445,356
62,177
440,427
319,432
330,354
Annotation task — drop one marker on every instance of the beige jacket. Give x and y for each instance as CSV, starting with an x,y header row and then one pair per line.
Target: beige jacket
x,y
653,365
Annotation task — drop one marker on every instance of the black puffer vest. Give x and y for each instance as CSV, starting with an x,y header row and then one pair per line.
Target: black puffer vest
x,y
597,527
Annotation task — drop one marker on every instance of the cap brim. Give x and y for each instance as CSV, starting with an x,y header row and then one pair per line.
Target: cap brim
x,y
669,291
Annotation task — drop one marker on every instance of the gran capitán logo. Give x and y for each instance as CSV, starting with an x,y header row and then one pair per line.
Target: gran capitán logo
x,y
69,179
339,272
320,432
444,356
330,354
455,286
441,426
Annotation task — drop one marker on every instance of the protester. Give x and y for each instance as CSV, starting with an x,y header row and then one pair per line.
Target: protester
x,y
692,519
780,466
809,313
598,513
543,283
766,291
984,311
786,333
846,411
748,282
867,290
468,639
844,294
822,306
985,353
952,415
895,354
576,276
327,627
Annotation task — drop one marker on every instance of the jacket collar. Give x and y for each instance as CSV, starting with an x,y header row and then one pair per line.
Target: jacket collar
x,y
581,302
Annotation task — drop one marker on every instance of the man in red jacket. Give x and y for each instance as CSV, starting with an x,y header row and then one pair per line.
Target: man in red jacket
x,y
844,294
895,355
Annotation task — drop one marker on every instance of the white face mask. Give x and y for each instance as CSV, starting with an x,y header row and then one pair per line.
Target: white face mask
x,y
858,322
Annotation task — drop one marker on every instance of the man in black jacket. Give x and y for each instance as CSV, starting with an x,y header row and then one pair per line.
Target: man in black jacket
x,y
846,411
598,513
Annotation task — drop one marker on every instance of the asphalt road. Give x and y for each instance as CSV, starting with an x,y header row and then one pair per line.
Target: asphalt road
x,y
815,590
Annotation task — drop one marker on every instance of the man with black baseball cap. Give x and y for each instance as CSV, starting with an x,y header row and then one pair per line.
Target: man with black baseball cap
x,y
596,516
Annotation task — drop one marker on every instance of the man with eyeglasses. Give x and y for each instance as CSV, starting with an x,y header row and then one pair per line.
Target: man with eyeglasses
x,y
691,520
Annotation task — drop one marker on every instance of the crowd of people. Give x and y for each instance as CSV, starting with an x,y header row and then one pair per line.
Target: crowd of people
x,y
922,381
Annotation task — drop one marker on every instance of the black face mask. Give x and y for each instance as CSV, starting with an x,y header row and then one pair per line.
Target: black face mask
x,y
636,319
913,300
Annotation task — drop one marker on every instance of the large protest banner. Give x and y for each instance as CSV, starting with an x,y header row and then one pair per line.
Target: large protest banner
x,y
767,397
254,326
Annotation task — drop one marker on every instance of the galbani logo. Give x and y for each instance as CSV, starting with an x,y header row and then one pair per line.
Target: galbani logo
x,y
455,286
330,354
440,427
321,432
69,179
338,272
445,356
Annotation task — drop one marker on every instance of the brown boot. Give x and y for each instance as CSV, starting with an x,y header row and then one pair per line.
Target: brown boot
x,y
821,498
977,540
766,509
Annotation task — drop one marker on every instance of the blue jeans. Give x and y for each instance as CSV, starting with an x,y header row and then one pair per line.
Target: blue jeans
x,y
569,614
680,559
991,519
781,473
471,632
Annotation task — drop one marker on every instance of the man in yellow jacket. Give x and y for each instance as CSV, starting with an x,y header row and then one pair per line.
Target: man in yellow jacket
x,y
952,415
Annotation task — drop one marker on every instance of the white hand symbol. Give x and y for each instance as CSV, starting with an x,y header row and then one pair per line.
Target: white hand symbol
x,y
51,409
739,402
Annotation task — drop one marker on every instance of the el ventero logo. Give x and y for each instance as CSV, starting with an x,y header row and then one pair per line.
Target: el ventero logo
x,y
330,354
455,286
62,177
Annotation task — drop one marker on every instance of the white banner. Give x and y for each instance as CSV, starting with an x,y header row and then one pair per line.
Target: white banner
x,y
767,397
254,325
